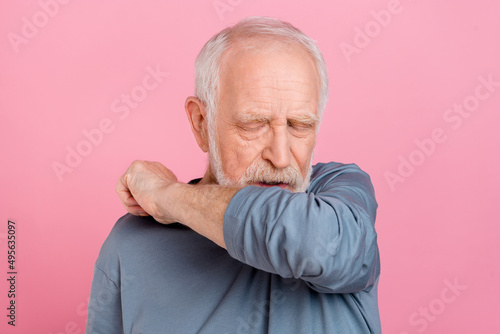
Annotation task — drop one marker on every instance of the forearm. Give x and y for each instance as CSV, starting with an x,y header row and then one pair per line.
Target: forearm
x,y
200,207
325,237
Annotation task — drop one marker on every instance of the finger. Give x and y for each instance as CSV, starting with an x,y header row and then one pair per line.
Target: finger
x,y
165,222
136,210
132,206
129,200
124,192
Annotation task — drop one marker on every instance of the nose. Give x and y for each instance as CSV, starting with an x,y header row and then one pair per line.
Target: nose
x,y
277,150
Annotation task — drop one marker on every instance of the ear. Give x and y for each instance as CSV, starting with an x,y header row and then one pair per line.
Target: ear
x,y
197,117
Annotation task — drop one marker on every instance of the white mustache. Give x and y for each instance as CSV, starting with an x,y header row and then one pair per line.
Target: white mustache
x,y
264,171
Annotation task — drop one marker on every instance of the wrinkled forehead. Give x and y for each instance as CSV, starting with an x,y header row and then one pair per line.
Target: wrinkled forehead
x,y
265,74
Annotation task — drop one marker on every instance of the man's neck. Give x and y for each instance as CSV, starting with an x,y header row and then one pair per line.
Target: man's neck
x,y
208,178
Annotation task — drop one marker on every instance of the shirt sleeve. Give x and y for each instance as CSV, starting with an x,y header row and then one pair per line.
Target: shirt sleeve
x,y
104,311
325,237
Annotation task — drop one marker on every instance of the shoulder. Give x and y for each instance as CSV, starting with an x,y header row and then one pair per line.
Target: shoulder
x,y
141,244
132,235
128,228
325,172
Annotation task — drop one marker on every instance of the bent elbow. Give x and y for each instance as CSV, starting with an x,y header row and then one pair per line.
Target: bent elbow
x,y
355,273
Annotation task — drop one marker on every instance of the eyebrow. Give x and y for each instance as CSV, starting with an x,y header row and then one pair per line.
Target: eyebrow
x,y
251,117
255,117
305,119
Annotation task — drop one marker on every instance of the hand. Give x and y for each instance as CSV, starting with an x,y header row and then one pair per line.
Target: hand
x,y
141,188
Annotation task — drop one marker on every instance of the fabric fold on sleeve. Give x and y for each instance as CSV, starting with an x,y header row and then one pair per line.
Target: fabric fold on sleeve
x,y
325,237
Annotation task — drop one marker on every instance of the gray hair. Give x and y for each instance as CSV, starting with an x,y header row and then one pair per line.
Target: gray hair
x,y
208,62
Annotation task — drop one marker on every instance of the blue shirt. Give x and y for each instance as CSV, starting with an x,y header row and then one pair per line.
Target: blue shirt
x,y
295,263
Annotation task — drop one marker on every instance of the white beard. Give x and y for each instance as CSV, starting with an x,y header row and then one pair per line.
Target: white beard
x,y
258,171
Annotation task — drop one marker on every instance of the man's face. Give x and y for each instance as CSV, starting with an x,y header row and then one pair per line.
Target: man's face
x,y
265,126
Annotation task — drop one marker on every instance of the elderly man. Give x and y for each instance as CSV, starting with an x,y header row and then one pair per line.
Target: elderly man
x,y
264,242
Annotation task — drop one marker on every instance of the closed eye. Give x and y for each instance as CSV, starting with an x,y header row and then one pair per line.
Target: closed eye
x,y
251,126
300,126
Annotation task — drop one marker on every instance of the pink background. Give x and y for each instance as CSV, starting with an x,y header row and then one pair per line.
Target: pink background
x,y
62,67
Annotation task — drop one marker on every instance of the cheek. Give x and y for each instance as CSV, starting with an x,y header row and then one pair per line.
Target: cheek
x,y
302,152
237,155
